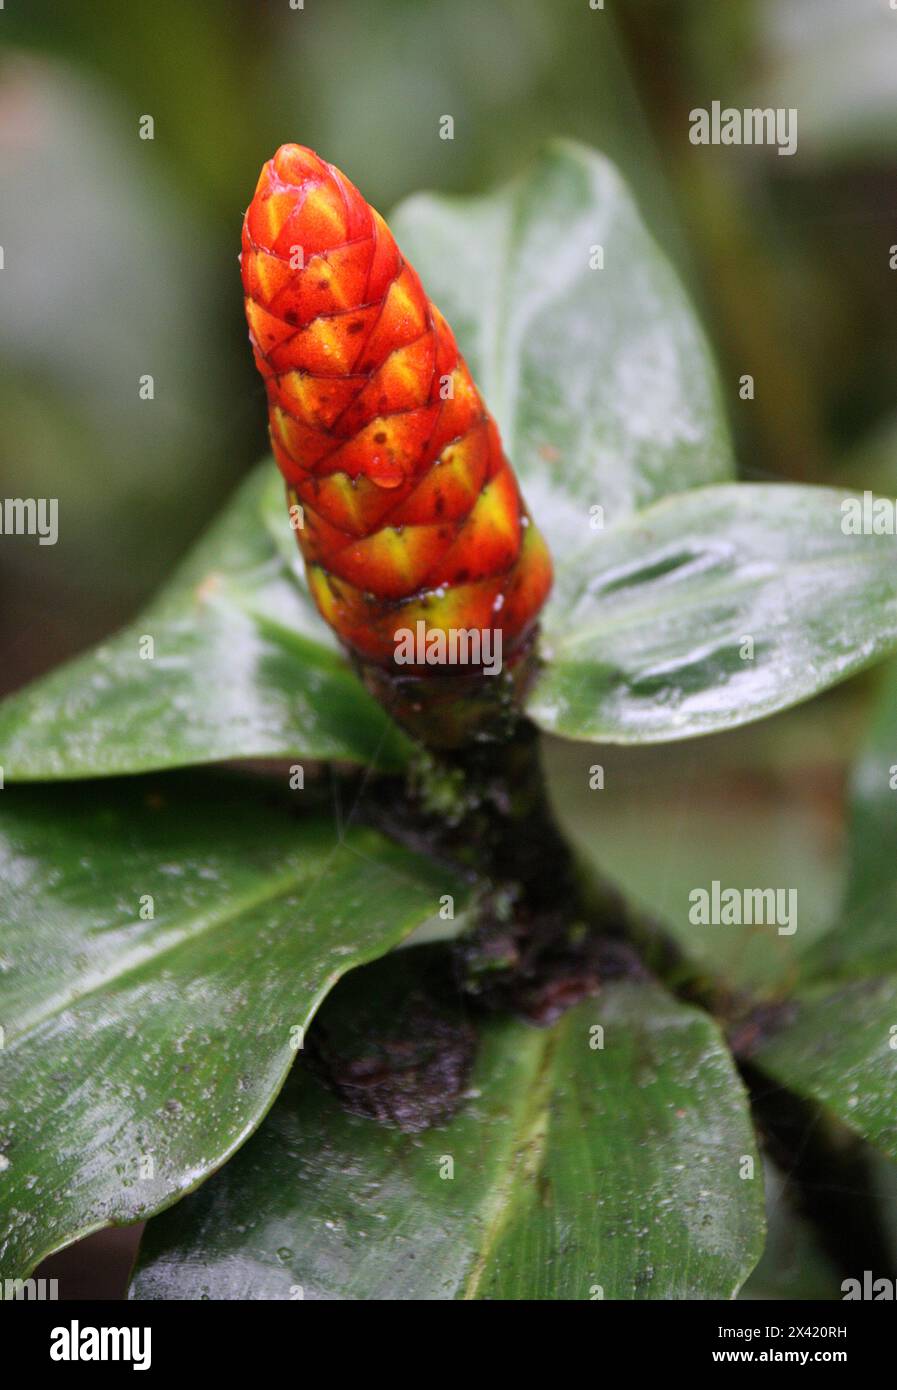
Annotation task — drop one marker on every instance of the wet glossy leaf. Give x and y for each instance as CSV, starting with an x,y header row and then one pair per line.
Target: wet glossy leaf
x,y
711,609
242,666
600,378
839,1048
569,1172
162,943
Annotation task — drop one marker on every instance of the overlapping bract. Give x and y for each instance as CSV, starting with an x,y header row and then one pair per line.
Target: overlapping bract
x,y
410,509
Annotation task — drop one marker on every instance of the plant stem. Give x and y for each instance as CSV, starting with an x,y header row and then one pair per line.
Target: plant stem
x,y
541,938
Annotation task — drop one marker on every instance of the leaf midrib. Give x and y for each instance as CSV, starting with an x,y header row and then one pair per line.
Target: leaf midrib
x,y
523,1154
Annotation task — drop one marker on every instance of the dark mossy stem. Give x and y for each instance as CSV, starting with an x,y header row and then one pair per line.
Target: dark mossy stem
x,y
543,929
477,797
453,708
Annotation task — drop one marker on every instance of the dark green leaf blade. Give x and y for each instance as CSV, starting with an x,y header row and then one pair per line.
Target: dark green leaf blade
x,y
140,1052
838,1044
242,667
711,609
863,939
575,1173
840,1049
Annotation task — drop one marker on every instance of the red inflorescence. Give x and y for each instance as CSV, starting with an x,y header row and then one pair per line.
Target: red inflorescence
x,y
410,510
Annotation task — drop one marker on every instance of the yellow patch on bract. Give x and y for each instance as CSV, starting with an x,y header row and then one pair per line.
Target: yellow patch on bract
x,y
329,265
534,543
450,607
267,330
463,388
301,393
345,503
326,209
315,400
391,562
496,513
402,305
322,591
330,337
288,431
269,274
457,470
401,376
270,214
464,460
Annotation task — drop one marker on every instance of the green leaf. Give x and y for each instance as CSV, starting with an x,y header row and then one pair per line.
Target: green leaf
x,y
838,1049
851,1070
600,379
242,667
140,1052
863,940
574,1170
646,637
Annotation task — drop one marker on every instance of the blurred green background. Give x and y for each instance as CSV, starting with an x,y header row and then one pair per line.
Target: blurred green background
x,y
120,253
